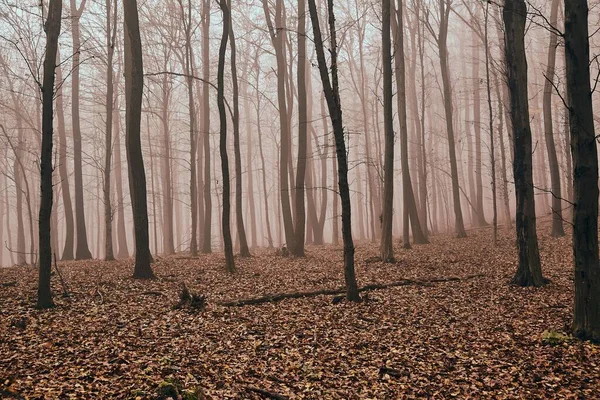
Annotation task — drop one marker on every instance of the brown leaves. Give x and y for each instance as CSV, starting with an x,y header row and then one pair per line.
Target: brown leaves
x,y
473,338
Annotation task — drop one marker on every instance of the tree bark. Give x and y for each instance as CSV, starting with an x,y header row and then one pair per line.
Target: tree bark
x,y
529,272
386,248
227,243
586,313
134,86
331,90
52,28
82,251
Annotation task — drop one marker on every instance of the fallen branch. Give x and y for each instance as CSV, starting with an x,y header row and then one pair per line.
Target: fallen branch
x,y
62,281
266,394
341,290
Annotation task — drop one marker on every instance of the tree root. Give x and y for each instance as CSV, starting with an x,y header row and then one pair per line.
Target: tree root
x,y
375,286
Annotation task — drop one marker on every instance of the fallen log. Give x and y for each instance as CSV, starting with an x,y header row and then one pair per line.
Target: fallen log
x,y
266,394
341,290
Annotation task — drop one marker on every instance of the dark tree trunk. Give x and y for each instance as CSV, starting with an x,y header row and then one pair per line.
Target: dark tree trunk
x,y
332,95
586,313
52,28
227,243
386,248
134,86
529,272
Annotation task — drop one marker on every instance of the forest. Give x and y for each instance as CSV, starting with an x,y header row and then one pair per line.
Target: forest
x,y
299,199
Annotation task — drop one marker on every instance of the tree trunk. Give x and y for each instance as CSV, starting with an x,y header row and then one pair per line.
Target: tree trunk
x,y
386,247
529,272
111,33
300,220
207,235
410,210
67,253
228,246
277,38
239,212
459,226
134,86
586,313
82,251
479,213
557,223
491,127
331,90
52,28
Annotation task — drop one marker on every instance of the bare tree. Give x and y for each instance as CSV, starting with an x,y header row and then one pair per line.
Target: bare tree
x,y
134,86
331,89
52,27
228,246
529,272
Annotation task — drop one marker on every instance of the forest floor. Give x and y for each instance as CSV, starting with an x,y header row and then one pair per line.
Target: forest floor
x,y
480,337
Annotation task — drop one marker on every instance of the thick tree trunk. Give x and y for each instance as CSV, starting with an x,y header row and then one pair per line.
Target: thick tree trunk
x,y
557,223
586,313
134,86
331,90
227,243
82,251
52,28
529,272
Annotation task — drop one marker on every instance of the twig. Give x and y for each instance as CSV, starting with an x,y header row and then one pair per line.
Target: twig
x,y
62,281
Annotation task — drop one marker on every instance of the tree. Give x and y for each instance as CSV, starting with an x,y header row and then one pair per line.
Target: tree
x,y
52,28
441,38
205,117
529,272
134,86
332,95
111,34
226,217
67,253
386,248
557,218
277,38
409,211
586,313
82,251
300,228
239,214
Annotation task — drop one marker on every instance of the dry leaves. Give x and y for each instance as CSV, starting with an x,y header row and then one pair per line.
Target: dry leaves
x,y
121,338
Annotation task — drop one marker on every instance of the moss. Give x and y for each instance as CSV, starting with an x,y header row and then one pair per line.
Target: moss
x,y
554,338
170,387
